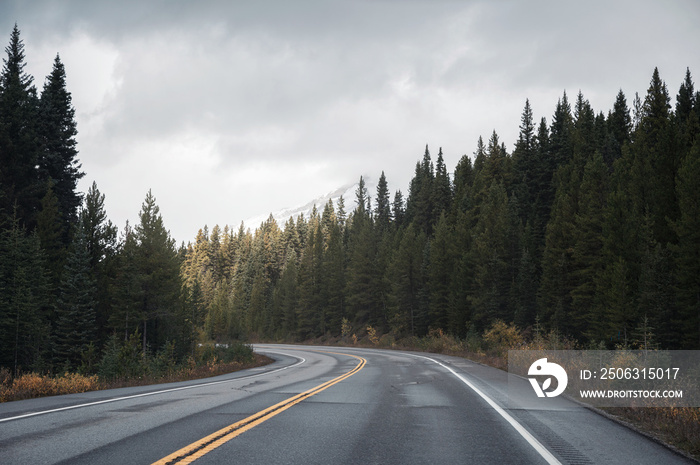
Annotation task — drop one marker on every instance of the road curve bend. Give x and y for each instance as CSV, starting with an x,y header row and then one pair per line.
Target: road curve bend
x,y
318,405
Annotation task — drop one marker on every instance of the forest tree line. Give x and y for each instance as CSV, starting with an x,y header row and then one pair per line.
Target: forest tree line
x,y
590,227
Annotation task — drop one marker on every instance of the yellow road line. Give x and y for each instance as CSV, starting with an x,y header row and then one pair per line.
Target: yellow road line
x,y
192,452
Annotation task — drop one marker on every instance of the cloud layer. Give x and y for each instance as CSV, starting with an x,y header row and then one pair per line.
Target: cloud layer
x,y
228,111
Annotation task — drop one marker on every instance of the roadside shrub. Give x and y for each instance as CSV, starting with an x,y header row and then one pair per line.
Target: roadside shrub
x,y
372,335
387,340
500,337
32,385
122,359
164,363
437,341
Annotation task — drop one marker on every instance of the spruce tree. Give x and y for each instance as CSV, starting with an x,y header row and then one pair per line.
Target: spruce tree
x,y
440,271
309,305
620,126
361,197
50,231
463,183
361,277
419,206
333,271
158,269
490,256
587,259
285,298
19,149
557,282
687,252
561,133
407,308
398,209
382,208
543,190
76,326
442,188
24,320
57,130
524,164
685,100
655,161
101,242
127,312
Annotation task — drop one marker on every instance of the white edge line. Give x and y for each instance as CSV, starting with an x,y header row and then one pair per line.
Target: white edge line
x,y
537,445
117,399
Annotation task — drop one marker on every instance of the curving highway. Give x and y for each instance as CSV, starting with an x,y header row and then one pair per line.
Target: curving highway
x,y
320,405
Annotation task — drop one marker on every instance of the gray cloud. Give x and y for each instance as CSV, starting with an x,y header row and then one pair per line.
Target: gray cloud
x,y
231,109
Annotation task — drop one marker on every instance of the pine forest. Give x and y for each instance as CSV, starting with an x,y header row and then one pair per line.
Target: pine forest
x,y
590,227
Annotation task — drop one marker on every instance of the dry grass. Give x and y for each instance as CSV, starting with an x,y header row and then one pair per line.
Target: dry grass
x,y
678,426
31,385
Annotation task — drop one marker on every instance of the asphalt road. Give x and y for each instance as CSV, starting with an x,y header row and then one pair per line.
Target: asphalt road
x,y
320,405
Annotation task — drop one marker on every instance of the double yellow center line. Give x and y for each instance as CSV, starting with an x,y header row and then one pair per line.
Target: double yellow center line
x,y
192,452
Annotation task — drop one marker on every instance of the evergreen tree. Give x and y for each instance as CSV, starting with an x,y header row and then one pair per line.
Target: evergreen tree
x,y
407,309
525,291
309,315
19,150
543,189
463,183
419,206
440,271
382,209
49,229
620,124
333,271
584,135
158,269
58,160
24,329
126,312
497,166
687,252
561,143
442,188
398,210
490,255
101,242
76,326
554,299
285,299
657,306
524,164
361,197
685,100
655,162
361,275
342,214
525,146
586,258
462,279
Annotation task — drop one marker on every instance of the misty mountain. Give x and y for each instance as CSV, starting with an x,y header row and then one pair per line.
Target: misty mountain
x,y
346,191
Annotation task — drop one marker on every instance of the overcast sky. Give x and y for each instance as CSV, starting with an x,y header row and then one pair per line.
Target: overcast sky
x,y
229,109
